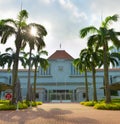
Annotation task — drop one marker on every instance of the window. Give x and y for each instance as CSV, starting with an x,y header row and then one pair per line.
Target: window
x,y
37,95
74,71
60,68
84,95
45,72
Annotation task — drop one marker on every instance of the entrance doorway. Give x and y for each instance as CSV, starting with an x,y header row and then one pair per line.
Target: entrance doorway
x,y
61,96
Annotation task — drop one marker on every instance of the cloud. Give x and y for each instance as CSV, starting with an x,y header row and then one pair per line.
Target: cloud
x,y
105,7
63,19
73,9
46,1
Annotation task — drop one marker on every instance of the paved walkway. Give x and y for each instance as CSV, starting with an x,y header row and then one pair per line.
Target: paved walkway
x,y
60,114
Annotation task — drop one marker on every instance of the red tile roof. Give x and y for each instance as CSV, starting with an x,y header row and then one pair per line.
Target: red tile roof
x,y
60,54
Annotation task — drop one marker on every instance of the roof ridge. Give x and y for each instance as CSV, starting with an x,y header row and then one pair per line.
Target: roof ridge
x,y
60,54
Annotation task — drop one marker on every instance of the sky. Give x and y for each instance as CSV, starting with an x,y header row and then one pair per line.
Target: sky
x,y
63,20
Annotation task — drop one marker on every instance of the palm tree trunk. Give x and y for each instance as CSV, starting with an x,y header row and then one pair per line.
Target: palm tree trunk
x,y
94,84
86,85
29,93
35,77
106,77
15,67
14,79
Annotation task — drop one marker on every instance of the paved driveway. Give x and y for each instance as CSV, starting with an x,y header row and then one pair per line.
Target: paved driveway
x,y
60,114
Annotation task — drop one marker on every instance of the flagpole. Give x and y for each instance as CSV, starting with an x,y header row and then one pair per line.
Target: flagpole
x,y
21,5
60,45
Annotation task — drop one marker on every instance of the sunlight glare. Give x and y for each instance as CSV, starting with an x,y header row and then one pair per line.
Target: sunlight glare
x,y
33,31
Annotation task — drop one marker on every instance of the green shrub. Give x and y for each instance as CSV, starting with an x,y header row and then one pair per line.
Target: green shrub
x,y
88,103
39,103
82,103
27,103
7,107
104,106
30,103
115,100
114,105
22,105
34,103
5,102
99,106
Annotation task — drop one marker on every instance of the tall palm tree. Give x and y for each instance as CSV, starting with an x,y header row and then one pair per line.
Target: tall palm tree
x,y
8,28
101,37
33,40
92,55
82,65
38,61
20,29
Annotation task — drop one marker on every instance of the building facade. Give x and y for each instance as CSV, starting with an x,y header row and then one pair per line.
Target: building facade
x,y
61,82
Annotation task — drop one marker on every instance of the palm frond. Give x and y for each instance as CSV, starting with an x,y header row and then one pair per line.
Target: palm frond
x,y
8,22
41,31
92,40
23,14
114,38
115,55
87,30
9,49
109,20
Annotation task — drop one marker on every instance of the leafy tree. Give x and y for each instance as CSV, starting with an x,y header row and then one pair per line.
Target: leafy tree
x,y
8,58
82,65
21,31
113,57
8,28
93,56
100,38
38,61
33,40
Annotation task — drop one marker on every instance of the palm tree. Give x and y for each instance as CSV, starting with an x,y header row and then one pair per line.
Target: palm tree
x,y
8,28
2,60
100,38
113,57
37,61
9,56
82,65
92,56
33,40
20,30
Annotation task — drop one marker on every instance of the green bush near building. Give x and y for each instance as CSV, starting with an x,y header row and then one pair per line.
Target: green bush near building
x,y
30,103
88,103
5,102
6,105
39,103
114,105
104,106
